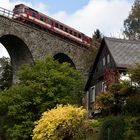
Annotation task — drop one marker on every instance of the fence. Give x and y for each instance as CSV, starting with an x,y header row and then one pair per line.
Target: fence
x,y
6,13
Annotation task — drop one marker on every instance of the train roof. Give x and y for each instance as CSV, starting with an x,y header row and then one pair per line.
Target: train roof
x,y
19,5
22,5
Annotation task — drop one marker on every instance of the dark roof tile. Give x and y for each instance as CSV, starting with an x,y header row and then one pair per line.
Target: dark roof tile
x,y
125,53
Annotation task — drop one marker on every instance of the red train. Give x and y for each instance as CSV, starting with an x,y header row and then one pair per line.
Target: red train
x,y
31,16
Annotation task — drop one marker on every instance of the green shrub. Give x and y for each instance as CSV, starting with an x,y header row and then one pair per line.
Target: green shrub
x,y
94,133
113,129
132,106
95,123
132,128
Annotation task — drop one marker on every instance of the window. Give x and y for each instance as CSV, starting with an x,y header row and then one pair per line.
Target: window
x,y
19,10
108,58
70,32
61,27
56,25
92,94
26,10
98,87
103,61
66,30
34,14
48,21
22,10
75,34
41,18
79,35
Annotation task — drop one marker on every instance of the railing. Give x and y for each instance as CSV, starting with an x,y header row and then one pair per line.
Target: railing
x,y
9,14
6,13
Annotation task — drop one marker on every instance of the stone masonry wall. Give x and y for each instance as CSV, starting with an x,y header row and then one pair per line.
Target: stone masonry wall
x,y
40,43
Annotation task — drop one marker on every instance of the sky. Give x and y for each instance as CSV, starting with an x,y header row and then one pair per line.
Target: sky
x,y
84,15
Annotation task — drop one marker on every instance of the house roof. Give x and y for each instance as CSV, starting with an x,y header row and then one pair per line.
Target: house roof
x,y
125,53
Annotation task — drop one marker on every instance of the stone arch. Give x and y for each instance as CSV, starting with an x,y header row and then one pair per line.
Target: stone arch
x,y
18,52
61,57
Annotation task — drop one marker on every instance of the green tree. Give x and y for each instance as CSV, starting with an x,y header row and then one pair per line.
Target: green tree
x,y
121,91
96,39
132,106
5,73
42,87
132,23
62,123
97,35
135,74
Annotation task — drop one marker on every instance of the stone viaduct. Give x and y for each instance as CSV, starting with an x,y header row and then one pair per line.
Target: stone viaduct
x,y
25,44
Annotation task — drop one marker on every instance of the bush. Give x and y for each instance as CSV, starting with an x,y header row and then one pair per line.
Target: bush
x,y
132,106
95,123
104,101
113,129
62,123
132,128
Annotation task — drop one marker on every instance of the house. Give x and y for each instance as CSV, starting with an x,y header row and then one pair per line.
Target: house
x,y
114,56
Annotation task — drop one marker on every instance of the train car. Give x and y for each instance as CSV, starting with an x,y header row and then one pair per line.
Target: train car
x,y
30,16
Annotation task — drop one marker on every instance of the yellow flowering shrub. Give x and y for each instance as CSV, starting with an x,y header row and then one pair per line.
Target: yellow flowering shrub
x,y
63,122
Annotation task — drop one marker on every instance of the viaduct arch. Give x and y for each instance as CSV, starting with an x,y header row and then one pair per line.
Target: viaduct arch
x,y
61,57
18,51
25,44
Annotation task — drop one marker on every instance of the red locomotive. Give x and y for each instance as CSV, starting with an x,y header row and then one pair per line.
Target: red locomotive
x,y
33,17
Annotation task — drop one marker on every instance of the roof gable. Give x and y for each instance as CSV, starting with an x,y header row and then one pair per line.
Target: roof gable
x,y
125,53
94,65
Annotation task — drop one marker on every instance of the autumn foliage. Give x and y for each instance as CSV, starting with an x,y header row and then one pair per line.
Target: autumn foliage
x,y
63,122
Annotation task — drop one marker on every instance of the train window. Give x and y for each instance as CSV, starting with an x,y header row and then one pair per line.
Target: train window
x,y
75,34
16,10
41,18
79,35
48,21
34,14
22,10
66,29
70,32
61,27
56,25
87,40
26,10
19,10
